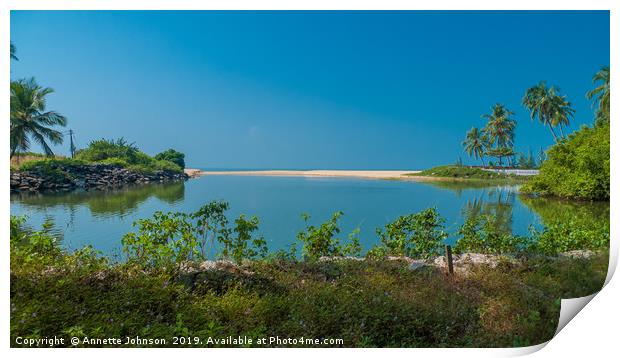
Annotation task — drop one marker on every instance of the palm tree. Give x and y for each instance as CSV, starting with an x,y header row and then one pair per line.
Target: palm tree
x,y
561,111
499,130
475,144
600,94
13,50
29,118
551,108
500,126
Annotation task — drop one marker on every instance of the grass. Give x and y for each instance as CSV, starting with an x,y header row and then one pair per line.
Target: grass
x,y
463,173
54,166
18,160
365,303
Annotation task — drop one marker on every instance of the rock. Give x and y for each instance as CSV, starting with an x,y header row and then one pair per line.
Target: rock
x,y
99,176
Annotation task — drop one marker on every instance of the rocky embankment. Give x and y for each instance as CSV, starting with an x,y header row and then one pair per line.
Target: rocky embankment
x,y
88,177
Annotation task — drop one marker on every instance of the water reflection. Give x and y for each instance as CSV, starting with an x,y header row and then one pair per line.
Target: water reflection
x,y
102,218
590,215
104,203
497,202
500,201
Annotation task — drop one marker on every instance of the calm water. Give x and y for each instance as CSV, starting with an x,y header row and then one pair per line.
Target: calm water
x,y
101,218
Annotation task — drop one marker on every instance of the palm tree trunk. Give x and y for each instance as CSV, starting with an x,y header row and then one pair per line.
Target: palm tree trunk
x,y
553,132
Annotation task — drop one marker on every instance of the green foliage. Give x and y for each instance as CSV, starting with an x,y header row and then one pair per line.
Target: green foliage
x,y
120,152
54,170
600,95
115,161
576,168
167,239
548,106
103,149
370,303
463,172
243,245
475,143
30,245
30,120
162,240
414,235
526,161
481,234
320,241
568,236
173,156
367,304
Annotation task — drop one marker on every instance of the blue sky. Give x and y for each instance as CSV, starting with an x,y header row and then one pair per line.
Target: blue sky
x,y
303,90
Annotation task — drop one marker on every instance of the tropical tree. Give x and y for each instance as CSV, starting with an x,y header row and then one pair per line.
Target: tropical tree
x,y
549,106
13,50
30,120
600,94
561,111
475,144
500,132
500,126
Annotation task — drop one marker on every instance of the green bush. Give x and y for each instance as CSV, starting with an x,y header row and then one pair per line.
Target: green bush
x,y
115,161
568,236
44,165
120,152
576,168
481,234
103,149
167,239
414,235
167,166
173,156
320,241
463,172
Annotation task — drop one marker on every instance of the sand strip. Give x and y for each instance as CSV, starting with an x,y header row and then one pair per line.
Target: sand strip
x,y
371,174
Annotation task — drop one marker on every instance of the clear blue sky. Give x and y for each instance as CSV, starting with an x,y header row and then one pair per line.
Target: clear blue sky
x,y
347,90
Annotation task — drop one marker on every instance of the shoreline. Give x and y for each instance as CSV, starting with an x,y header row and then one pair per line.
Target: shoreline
x,y
368,174
404,175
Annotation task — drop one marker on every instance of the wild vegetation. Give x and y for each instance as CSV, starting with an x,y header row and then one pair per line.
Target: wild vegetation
x,y
127,155
114,153
367,303
470,174
30,120
578,166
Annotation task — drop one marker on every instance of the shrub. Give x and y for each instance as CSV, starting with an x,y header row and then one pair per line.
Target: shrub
x,y
44,165
568,236
54,170
319,241
115,161
161,240
173,156
33,245
481,234
576,168
459,171
172,238
102,149
414,235
243,245
167,166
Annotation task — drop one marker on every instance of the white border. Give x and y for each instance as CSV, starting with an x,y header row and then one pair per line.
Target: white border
x,y
593,331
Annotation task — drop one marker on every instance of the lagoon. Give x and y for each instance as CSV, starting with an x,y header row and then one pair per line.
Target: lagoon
x,y
101,218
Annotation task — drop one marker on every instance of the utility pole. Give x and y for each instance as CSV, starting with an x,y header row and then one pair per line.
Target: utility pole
x,y
71,144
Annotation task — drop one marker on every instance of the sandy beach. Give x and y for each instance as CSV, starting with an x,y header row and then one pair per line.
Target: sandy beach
x,y
370,174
